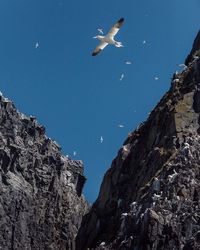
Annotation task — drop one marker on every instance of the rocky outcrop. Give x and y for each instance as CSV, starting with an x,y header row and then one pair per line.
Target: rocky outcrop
x,y
150,197
41,205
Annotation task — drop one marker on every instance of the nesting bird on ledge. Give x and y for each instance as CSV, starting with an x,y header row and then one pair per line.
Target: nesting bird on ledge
x,y
109,38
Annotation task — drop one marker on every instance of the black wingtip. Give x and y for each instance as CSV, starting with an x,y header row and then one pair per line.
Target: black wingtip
x,y
96,52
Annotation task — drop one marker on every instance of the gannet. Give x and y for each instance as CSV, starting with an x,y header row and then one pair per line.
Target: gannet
x,y
109,38
176,80
183,65
122,77
36,45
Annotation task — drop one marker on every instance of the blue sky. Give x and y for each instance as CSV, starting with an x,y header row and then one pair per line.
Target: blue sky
x,y
79,98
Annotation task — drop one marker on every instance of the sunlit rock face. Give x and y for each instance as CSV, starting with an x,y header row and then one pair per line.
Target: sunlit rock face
x,y
41,205
150,197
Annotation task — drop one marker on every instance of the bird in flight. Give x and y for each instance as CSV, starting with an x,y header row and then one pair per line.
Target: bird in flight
x,y
109,38
121,77
36,45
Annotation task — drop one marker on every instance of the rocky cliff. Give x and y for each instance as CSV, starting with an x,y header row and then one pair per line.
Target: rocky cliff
x,y
150,197
41,205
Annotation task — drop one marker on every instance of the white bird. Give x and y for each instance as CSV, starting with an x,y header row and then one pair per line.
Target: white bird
x,y
109,38
183,65
144,42
74,153
156,78
125,148
121,126
100,31
36,45
176,80
124,214
128,62
122,77
102,244
172,176
101,139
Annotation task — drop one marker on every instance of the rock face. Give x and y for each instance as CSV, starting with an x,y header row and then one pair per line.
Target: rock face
x,y
41,205
150,197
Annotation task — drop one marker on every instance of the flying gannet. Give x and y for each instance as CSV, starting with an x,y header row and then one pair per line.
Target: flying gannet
x,y
36,45
109,38
121,77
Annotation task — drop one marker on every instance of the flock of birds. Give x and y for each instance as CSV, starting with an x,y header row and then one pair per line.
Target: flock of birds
x,y
109,39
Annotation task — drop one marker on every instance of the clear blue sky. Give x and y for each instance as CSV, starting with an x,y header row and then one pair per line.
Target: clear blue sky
x,y
79,98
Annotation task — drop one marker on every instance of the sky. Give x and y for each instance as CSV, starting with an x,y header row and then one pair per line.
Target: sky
x,y
80,98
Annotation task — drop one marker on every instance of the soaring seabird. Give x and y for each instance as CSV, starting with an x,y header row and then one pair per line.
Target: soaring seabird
x,y
109,38
122,77
36,45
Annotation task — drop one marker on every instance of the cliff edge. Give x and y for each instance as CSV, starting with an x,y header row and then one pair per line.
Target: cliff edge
x,y
41,205
150,197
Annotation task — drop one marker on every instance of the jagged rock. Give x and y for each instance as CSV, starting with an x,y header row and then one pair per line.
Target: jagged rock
x,y
41,205
150,197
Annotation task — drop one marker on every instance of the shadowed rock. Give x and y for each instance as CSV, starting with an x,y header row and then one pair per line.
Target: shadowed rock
x,y
41,205
149,198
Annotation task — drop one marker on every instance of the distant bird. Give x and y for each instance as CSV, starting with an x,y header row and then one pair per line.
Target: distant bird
x,y
121,126
176,80
74,153
124,214
109,38
182,65
101,139
122,77
156,78
102,244
144,42
36,45
100,31
172,176
128,62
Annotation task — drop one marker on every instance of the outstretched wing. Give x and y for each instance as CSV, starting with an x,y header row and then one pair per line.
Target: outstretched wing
x,y
113,31
99,48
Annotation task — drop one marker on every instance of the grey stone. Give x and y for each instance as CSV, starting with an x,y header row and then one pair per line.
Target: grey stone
x,y
157,177
41,201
